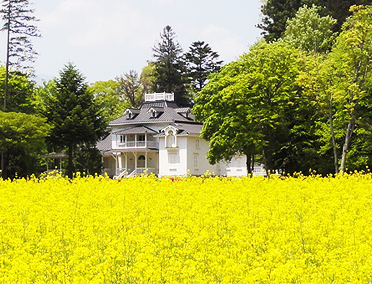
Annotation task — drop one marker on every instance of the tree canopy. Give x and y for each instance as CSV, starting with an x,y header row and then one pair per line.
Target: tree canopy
x,y
276,13
22,142
74,114
246,108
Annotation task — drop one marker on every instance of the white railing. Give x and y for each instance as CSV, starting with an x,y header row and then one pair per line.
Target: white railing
x,y
139,171
137,144
159,97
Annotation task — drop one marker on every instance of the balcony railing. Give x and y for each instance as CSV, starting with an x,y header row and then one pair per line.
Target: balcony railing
x,y
137,145
159,97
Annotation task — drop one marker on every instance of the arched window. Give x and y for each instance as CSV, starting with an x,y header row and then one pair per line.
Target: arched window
x,y
141,161
171,139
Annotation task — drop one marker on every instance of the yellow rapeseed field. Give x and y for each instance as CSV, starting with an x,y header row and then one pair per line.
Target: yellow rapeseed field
x,y
190,230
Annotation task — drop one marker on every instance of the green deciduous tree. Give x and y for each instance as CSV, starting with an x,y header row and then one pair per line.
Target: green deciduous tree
x,y
107,95
254,106
22,140
131,89
275,13
18,24
20,90
352,57
74,114
309,31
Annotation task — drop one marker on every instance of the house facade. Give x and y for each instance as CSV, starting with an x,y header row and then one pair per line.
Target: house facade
x,y
160,138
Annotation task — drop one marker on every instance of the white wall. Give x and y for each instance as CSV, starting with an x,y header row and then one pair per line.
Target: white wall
x,y
237,166
173,161
197,149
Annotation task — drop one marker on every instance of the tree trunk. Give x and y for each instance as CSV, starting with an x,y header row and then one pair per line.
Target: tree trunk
x,y
2,164
6,82
70,164
332,130
248,164
345,148
4,170
268,160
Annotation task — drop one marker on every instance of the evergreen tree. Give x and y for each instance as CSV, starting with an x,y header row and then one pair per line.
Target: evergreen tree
x,y
18,20
170,68
201,61
75,116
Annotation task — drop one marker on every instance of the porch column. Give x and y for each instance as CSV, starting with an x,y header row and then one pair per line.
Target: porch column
x,y
126,161
126,140
120,161
145,140
145,159
116,163
135,142
135,160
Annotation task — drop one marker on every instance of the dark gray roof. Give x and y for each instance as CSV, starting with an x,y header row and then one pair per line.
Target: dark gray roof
x,y
105,144
135,130
186,128
167,113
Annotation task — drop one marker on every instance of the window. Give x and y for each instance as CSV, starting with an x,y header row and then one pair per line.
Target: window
x,y
171,140
196,161
141,137
153,113
141,161
122,139
172,158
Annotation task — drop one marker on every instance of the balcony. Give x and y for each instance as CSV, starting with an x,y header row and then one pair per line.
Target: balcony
x,y
137,145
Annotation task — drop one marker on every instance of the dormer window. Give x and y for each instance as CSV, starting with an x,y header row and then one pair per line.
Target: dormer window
x,y
131,113
183,111
155,111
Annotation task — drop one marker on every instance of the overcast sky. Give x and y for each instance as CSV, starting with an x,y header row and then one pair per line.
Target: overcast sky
x,y
105,39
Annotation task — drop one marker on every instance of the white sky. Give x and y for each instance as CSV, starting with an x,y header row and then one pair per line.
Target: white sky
x,y
105,39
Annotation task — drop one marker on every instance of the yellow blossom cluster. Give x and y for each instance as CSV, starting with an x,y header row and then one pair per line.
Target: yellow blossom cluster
x,y
187,230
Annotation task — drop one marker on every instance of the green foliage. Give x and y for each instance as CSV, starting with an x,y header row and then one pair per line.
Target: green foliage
x,y
169,67
254,105
22,141
130,89
107,95
276,13
74,114
201,61
148,78
20,91
309,31
352,58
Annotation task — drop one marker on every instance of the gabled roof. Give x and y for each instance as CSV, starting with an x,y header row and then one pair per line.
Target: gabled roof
x,y
167,112
184,129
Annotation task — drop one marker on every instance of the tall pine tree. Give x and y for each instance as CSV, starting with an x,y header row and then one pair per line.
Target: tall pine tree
x,y
170,67
19,19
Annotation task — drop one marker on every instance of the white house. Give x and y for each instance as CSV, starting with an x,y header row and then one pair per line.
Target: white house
x,y
160,138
